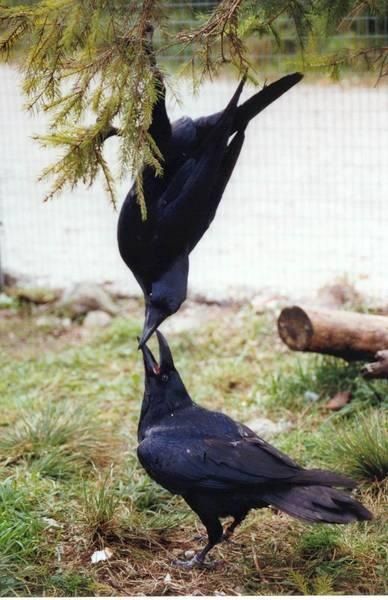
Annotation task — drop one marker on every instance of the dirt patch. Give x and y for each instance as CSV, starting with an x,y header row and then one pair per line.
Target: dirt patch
x,y
21,337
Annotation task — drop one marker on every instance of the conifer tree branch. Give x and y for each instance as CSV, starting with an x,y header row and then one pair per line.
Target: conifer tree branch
x,y
93,57
372,56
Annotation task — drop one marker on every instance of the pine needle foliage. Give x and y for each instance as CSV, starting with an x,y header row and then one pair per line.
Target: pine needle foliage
x,y
89,57
88,65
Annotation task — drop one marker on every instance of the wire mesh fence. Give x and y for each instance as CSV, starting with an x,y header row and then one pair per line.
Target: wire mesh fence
x,y
307,202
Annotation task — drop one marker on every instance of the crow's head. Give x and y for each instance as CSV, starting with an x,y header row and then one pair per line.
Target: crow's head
x,y
158,307
165,296
152,368
162,381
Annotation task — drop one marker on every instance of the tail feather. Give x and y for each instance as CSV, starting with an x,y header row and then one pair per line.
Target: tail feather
x,y
217,138
318,503
321,477
227,116
252,107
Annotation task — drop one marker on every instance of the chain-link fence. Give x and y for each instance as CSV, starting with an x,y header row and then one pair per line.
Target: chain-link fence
x,y
307,202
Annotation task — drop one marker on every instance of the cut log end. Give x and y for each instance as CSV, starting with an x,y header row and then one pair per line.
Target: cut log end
x,y
344,334
295,328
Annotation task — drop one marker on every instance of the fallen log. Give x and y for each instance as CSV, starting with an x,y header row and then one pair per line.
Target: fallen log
x,y
345,334
378,369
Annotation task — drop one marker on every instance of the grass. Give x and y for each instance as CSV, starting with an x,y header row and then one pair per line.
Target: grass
x,y
57,441
21,532
320,541
363,448
71,483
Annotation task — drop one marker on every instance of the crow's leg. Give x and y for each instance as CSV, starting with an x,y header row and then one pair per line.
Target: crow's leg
x,y
230,529
214,532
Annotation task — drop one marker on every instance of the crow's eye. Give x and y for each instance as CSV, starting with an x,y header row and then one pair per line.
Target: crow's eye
x,y
164,378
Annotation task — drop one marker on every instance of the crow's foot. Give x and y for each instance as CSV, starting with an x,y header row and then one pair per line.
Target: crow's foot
x,y
227,536
200,538
195,563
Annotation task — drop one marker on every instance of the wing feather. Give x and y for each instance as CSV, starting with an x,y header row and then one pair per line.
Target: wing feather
x,y
213,463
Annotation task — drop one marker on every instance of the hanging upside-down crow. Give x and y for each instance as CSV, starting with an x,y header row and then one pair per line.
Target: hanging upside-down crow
x,y
198,159
221,467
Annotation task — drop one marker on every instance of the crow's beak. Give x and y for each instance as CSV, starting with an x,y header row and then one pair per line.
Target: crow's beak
x,y
165,356
153,318
150,364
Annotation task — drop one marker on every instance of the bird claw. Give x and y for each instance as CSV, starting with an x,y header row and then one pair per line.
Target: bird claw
x,y
200,538
188,564
195,562
226,537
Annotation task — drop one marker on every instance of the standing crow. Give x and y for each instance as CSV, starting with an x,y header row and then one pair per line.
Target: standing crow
x,y
198,160
221,467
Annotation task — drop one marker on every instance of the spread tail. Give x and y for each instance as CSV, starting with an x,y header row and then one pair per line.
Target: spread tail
x,y
318,503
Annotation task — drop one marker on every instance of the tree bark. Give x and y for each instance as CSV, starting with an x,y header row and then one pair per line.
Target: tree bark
x,y
378,369
345,334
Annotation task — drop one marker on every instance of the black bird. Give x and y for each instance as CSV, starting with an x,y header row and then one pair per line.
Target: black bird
x,y
223,469
198,160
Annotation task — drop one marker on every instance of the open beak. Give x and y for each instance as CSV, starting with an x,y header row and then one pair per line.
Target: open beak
x,y
150,364
153,318
165,356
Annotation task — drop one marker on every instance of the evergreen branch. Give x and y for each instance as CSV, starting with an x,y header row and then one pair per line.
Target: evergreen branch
x,y
383,72
82,161
220,28
49,88
278,14
93,57
215,25
13,36
109,182
140,196
301,21
373,56
346,23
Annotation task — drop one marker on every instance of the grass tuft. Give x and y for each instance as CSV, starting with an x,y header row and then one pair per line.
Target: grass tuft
x,y
101,503
57,441
319,541
70,584
362,448
20,535
321,585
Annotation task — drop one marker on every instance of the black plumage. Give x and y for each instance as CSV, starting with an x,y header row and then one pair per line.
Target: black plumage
x,y
198,159
222,468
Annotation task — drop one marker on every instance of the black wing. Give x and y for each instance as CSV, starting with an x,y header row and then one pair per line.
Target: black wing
x,y
213,463
216,191
190,190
